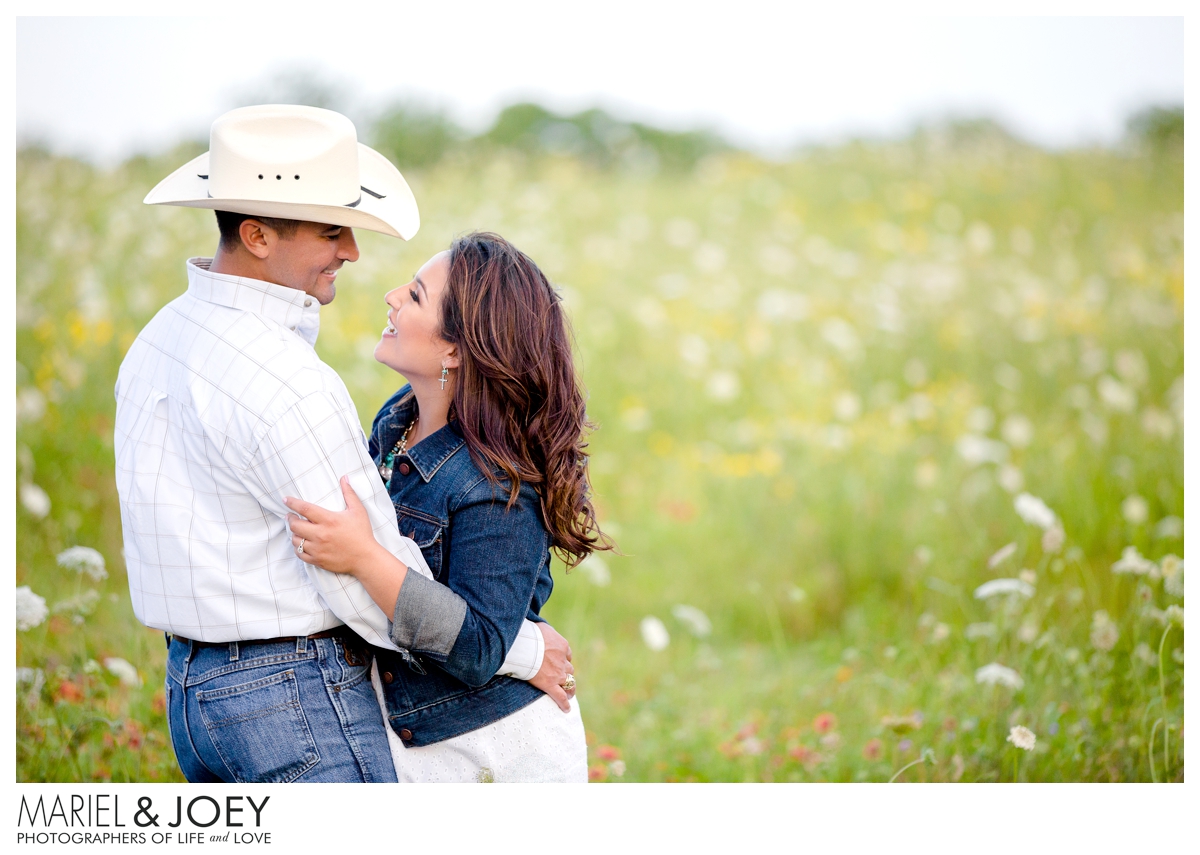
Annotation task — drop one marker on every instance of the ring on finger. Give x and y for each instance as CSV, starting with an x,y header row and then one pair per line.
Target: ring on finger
x,y
300,548
569,683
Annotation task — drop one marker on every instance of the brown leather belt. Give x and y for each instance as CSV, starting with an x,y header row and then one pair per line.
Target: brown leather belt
x,y
337,632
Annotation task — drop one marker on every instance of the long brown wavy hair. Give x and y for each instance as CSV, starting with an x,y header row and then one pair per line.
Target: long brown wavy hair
x,y
517,398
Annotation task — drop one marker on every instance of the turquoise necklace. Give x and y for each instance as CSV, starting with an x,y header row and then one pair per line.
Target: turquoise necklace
x,y
385,468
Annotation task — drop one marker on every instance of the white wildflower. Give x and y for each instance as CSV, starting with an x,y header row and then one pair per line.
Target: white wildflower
x,y
1010,478
980,630
940,633
84,560
1027,632
1001,554
35,500
123,671
1104,632
997,587
1172,573
654,633
1135,510
695,620
1017,431
979,449
723,386
1169,528
1022,737
1175,615
92,667
1132,562
617,767
1116,395
596,570
1028,576
997,674
31,609
1034,511
752,745
31,680
1144,654
1053,540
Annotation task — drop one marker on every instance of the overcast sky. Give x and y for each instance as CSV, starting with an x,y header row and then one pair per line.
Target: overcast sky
x,y
108,87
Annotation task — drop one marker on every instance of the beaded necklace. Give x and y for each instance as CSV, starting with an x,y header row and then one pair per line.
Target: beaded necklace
x,y
385,468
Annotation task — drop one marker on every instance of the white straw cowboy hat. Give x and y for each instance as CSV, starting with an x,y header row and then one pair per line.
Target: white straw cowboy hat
x,y
297,163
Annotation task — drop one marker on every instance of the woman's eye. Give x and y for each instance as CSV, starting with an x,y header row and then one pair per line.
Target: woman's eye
x,y
414,295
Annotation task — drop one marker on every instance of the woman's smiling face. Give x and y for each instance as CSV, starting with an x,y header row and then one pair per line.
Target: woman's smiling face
x,y
411,343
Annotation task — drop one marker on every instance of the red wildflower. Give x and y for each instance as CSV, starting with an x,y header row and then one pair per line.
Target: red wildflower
x,y
825,722
68,691
598,772
873,749
608,752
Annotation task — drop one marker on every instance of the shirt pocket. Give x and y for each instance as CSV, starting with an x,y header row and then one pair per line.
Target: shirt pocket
x,y
427,532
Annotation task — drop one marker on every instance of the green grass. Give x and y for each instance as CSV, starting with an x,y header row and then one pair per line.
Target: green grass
x,y
782,359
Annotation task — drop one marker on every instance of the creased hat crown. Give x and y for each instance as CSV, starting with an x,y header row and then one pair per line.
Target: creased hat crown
x,y
303,155
296,162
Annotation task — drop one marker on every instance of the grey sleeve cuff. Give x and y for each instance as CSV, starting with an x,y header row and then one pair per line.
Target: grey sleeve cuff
x,y
428,616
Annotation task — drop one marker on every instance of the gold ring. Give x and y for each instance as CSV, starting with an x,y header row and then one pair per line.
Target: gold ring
x,y
569,683
300,548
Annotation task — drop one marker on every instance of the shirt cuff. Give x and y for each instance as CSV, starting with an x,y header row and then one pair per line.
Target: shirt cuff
x,y
525,656
428,616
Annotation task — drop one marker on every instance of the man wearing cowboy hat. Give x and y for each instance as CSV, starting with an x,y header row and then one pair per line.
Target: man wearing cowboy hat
x,y
224,408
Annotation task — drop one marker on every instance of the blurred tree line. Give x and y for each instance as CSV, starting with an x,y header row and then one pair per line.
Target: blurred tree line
x,y
415,135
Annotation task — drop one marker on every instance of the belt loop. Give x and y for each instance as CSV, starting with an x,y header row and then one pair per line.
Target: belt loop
x,y
301,643
167,639
234,651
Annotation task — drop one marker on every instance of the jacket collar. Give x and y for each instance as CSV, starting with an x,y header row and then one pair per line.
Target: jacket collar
x,y
429,454
290,308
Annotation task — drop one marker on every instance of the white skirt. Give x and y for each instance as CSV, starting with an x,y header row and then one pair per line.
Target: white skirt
x,y
538,743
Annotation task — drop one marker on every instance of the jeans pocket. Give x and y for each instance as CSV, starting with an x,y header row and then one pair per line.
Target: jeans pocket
x,y
259,729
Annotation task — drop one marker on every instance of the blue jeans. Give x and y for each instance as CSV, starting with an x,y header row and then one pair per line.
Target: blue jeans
x,y
301,710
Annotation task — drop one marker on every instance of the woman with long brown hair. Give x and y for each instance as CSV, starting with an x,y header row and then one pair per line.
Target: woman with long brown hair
x,y
484,457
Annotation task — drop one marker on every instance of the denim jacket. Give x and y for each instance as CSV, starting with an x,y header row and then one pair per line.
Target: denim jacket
x,y
442,685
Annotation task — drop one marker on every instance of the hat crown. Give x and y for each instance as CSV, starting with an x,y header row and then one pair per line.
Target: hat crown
x,y
284,153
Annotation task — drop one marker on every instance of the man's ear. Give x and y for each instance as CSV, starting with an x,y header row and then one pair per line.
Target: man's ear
x,y
255,238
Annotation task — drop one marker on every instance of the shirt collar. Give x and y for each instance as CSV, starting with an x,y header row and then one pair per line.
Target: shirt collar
x,y
291,308
429,454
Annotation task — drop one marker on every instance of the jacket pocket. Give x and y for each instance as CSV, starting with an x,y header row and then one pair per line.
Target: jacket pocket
x,y
259,729
427,533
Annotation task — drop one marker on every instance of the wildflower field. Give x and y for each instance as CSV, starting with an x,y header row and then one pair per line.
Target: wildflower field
x,y
890,436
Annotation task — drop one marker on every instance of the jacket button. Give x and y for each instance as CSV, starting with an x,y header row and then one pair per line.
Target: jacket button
x,y
405,469
405,734
387,677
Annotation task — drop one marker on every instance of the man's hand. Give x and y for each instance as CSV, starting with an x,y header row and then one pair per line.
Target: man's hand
x,y
556,665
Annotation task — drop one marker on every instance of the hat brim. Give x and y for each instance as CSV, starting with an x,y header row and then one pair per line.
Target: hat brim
x,y
386,204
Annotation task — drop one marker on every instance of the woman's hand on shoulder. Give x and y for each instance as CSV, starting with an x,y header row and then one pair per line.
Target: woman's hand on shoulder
x,y
338,541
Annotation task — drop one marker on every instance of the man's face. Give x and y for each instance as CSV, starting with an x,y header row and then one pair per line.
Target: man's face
x,y
309,261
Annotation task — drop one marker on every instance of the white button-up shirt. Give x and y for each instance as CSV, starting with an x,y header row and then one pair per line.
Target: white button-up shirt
x,y
223,409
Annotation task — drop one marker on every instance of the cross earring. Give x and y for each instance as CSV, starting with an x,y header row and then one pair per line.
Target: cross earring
x,y
442,379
